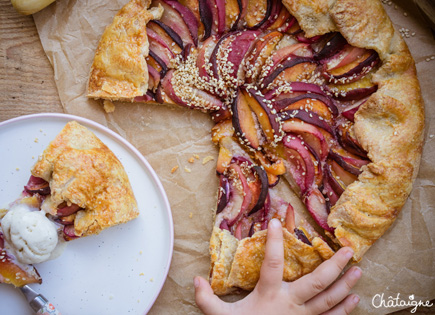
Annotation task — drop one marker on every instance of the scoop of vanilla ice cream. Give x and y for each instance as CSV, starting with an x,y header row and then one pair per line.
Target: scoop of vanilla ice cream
x,y
30,234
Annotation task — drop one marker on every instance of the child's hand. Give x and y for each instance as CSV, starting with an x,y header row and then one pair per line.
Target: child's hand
x,y
314,293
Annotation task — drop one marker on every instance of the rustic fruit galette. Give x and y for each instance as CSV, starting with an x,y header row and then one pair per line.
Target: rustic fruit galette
x,y
322,94
77,188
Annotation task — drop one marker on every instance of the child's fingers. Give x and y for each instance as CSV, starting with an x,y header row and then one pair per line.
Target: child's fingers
x,y
345,307
336,293
312,284
206,300
273,263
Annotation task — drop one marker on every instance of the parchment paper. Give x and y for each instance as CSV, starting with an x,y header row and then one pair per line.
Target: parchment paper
x,y
402,261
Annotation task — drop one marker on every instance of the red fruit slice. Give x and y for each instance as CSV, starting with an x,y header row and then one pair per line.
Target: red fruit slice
x,y
350,65
290,219
218,12
346,137
15,273
203,60
350,111
294,68
157,63
266,115
224,193
303,169
240,189
245,123
228,55
302,237
310,134
347,160
281,19
260,51
192,98
188,17
261,190
172,39
233,9
37,185
64,210
316,205
331,47
308,117
320,104
69,232
257,13
206,16
173,19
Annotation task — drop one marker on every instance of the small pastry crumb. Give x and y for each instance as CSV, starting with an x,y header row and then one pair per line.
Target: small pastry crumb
x,y
109,107
17,169
191,160
187,170
36,140
190,215
196,156
151,279
174,169
207,159
141,274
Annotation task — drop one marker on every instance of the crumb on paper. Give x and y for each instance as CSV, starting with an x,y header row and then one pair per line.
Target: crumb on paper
x,y
33,157
187,170
40,130
17,169
174,169
191,160
141,274
151,279
190,215
140,253
196,156
109,107
207,159
111,297
36,140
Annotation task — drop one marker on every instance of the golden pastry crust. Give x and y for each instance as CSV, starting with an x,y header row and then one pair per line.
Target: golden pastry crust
x,y
119,70
236,264
81,170
389,126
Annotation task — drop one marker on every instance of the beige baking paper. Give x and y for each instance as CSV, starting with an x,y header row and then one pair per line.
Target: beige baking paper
x,y
402,261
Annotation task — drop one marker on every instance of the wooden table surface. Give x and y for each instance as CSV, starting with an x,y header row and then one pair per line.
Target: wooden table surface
x,y
26,76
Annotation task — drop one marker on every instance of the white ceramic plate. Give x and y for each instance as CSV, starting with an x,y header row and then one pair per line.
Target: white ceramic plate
x,y
121,270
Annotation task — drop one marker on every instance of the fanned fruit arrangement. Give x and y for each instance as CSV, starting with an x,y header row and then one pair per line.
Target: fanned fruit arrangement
x,y
300,91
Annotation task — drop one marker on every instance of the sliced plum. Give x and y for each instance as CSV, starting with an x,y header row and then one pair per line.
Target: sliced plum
x,y
302,237
224,193
260,51
350,65
192,97
203,60
348,161
280,20
293,88
188,17
173,19
331,47
294,68
350,111
233,10
346,137
310,101
316,205
262,188
245,123
303,168
37,185
309,117
206,16
310,134
257,13
64,210
266,115
157,63
172,39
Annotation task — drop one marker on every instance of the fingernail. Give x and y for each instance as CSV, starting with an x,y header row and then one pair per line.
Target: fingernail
x,y
196,282
355,299
275,223
349,253
357,272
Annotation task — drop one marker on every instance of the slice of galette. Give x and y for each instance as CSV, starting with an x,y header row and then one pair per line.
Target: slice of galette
x,y
78,188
